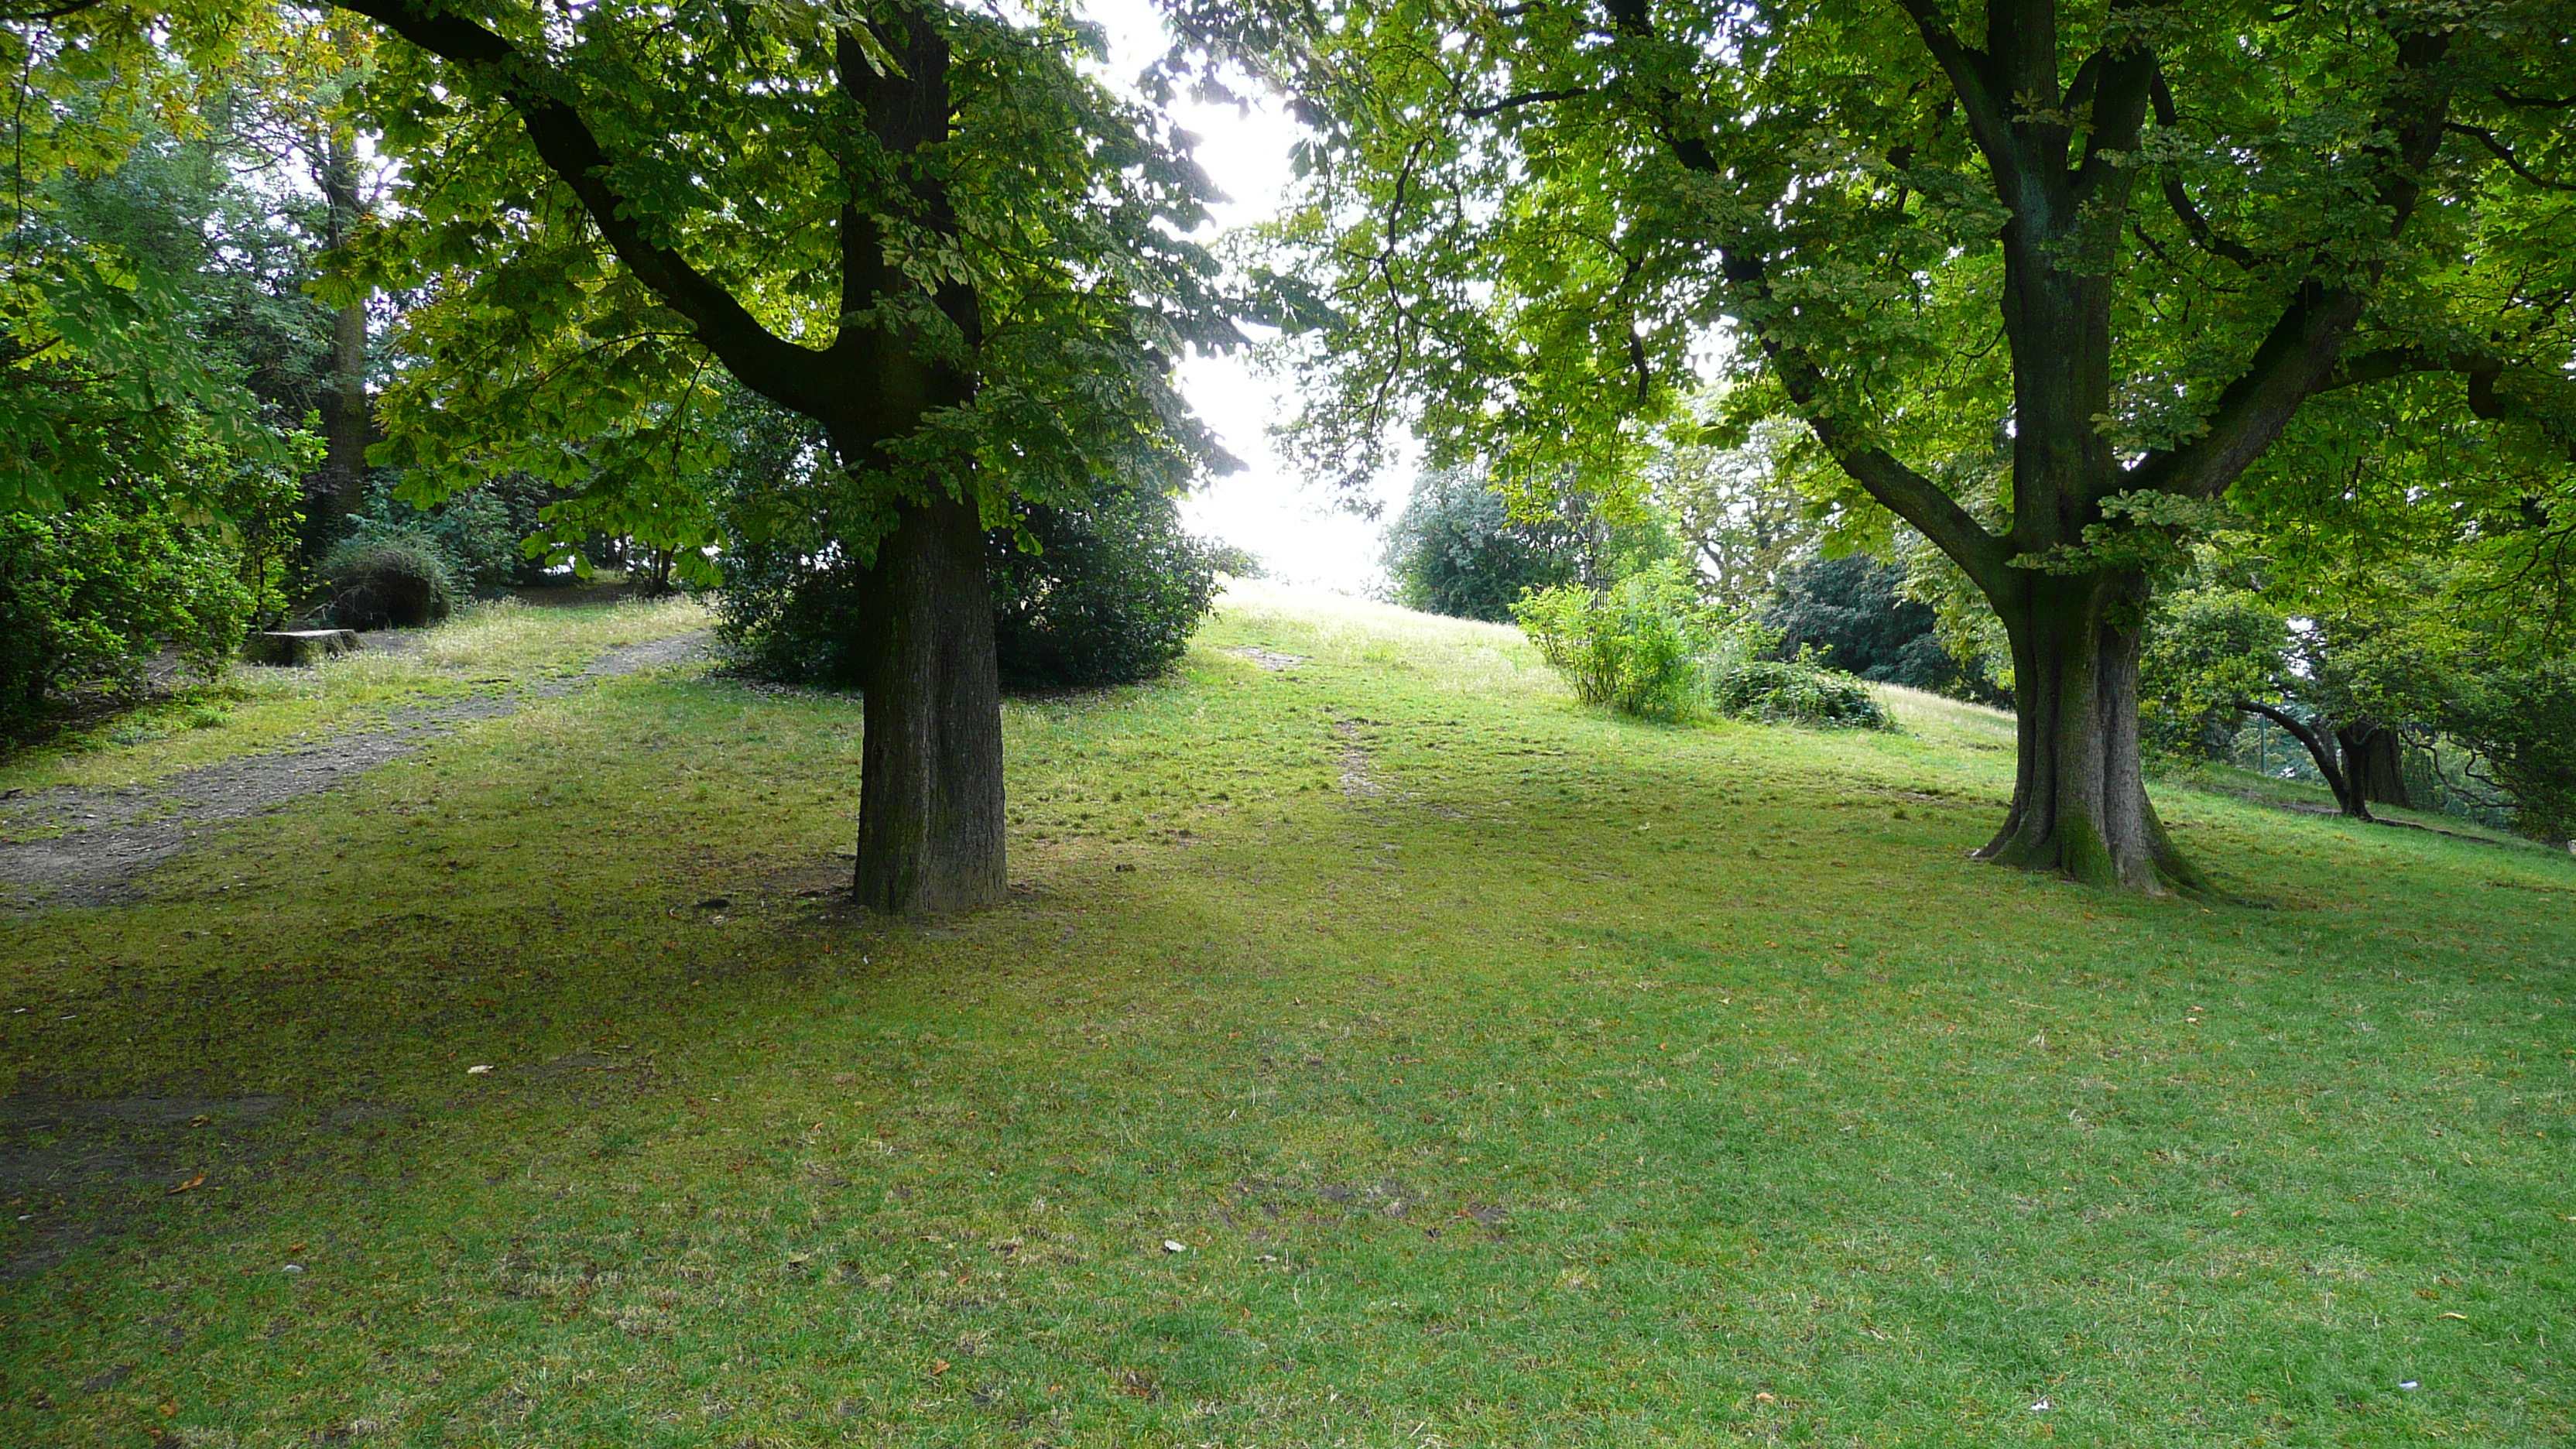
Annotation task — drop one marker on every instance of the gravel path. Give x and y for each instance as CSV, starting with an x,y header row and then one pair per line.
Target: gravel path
x,y
111,836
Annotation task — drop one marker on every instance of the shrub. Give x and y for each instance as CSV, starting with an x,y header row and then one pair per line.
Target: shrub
x,y
397,581
1850,611
1776,691
1634,646
476,535
1111,596
89,596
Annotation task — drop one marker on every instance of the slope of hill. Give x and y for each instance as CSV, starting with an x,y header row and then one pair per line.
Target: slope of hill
x,y
1378,1050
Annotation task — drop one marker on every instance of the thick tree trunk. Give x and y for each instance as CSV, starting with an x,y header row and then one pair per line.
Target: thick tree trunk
x,y
930,773
2080,802
2373,764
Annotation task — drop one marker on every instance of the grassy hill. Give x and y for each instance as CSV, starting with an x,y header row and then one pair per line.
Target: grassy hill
x,y
1378,1050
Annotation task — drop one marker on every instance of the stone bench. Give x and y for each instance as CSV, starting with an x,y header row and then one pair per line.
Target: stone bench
x,y
299,646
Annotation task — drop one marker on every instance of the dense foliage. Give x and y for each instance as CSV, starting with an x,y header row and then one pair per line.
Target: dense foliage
x,y
395,581
1106,592
1852,613
2521,722
1796,691
575,329
1636,646
479,535
90,595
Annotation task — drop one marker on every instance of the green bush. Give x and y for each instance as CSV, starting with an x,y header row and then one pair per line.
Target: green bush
x,y
1111,596
1635,646
88,597
477,535
2522,724
1776,691
397,581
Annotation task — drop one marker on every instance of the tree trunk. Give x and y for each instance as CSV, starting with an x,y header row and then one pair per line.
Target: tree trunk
x,y
347,419
2080,802
930,773
2321,746
2373,763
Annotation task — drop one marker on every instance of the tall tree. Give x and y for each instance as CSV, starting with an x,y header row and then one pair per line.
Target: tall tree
x,y
2045,279
296,112
918,224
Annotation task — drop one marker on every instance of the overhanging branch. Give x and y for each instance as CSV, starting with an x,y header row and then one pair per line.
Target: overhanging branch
x,y
2302,347
2202,234
1523,98
778,369
2505,154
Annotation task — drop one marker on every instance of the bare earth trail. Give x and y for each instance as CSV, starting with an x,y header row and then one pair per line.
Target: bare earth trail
x,y
108,837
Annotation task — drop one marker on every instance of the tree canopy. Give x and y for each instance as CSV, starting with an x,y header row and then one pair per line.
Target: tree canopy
x,y
2048,281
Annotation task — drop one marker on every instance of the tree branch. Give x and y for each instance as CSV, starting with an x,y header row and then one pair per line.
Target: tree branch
x,y
2510,403
2196,225
1523,98
2318,751
2303,346
1968,70
2505,154
769,364
2119,87
1907,494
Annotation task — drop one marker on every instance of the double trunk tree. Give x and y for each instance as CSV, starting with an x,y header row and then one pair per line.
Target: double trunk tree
x,y
2045,281
902,221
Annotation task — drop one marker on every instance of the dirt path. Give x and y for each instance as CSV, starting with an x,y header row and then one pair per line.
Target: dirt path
x,y
111,836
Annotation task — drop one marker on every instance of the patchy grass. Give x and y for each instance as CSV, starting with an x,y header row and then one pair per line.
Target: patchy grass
x,y
1505,1073
252,709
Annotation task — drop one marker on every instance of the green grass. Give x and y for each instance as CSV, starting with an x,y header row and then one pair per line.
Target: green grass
x,y
252,710
1591,1082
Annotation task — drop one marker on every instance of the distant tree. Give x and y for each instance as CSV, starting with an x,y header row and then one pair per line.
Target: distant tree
x,y
1736,510
1466,547
1457,550
2348,686
1850,610
1236,561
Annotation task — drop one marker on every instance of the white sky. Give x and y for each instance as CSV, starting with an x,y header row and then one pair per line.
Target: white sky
x,y
1268,508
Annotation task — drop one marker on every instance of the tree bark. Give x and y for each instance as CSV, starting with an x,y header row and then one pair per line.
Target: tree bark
x,y
930,771
2373,762
348,418
2080,802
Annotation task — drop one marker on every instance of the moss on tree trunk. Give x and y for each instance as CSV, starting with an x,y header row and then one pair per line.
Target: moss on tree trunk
x,y
2079,791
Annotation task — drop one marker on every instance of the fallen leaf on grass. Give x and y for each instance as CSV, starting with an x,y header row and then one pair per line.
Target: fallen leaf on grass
x,y
183,1187
938,1366
2460,1316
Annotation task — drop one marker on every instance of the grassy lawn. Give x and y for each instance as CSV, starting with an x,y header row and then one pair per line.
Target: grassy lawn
x,y
1377,1051
488,647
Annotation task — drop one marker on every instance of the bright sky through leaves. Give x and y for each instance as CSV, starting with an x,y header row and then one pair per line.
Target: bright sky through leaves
x,y
1267,508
